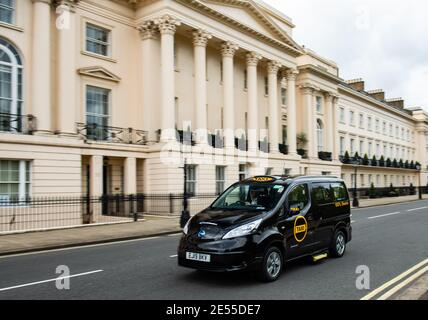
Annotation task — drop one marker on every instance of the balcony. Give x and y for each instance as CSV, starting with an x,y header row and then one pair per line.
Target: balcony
x,y
283,148
382,163
325,156
96,132
303,153
14,123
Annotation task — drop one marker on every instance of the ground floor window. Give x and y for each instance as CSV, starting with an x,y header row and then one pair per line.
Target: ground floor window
x,y
326,173
14,180
242,171
219,179
191,179
268,171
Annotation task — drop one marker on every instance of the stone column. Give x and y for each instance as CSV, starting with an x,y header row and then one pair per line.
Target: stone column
x,y
200,41
329,125
130,176
307,118
96,176
167,27
422,149
291,112
336,137
228,50
149,88
67,46
253,126
41,66
272,70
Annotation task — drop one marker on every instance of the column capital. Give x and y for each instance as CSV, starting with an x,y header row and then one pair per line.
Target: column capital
x,y
228,49
148,30
253,58
200,38
290,74
167,24
70,4
273,67
307,89
328,96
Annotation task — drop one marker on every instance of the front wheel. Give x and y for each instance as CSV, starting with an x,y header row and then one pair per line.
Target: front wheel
x,y
272,265
338,245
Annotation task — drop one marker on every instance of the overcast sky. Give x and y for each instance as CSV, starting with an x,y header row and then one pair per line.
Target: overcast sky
x,y
385,42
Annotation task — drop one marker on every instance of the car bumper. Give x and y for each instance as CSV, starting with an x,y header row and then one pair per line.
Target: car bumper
x,y
243,256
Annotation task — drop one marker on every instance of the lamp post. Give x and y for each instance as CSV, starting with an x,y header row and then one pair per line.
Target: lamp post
x,y
419,168
185,215
355,202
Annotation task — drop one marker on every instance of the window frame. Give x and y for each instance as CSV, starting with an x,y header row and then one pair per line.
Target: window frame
x,y
96,115
109,42
23,194
13,13
220,181
192,181
287,200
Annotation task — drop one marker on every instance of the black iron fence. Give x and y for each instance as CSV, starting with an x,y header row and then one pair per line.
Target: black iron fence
x,y
96,132
35,213
17,123
384,192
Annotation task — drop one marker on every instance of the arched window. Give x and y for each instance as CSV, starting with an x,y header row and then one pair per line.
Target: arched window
x,y
10,87
320,135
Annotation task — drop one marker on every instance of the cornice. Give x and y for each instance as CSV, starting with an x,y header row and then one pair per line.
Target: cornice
x,y
321,72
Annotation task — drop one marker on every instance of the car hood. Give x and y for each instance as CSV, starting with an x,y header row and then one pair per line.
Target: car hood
x,y
225,218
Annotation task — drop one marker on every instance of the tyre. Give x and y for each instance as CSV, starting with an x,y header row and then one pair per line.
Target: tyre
x,y
338,244
272,265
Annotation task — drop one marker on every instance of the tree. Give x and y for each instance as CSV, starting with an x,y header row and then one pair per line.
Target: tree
x,y
395,163
388,163
366,160
374,161
382,161
301,140
346,158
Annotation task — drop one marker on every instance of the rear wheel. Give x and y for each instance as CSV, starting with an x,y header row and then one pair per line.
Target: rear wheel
x,y
272,265
338,244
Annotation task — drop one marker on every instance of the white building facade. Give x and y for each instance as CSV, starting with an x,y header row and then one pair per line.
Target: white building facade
x,y
97,97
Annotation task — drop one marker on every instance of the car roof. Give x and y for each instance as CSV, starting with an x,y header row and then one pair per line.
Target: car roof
x,y
290,179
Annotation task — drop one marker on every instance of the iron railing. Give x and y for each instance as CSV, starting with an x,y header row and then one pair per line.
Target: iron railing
x,y
96,132
388,163
16,123
384,192
325,156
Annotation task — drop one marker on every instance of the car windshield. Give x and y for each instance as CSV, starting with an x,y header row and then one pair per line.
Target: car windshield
x,y
250,196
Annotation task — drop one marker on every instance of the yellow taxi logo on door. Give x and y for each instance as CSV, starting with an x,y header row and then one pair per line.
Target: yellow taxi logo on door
x,y
300,228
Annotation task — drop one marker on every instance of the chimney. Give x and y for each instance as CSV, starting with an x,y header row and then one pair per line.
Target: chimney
x,y
357,84
397,102
378,94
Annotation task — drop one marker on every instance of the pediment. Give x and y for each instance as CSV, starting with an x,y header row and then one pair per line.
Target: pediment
x,y
99,72
252,15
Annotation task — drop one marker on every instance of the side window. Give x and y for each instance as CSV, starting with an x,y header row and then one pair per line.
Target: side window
x,y
298,197
339,191
322,193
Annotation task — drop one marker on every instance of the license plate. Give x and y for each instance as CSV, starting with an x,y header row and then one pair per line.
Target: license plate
x,y
198,257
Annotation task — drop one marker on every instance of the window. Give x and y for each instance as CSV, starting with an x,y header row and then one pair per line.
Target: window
x,y
377,126
10,88
268,171
319,104
175,56
219,179
326,173
283,96
362,181
266,86
384,128
221,71
391,129
369,124
342,115
97,40
287,172
339,192
320,135
176,110
342,146
14,180
361,120
298,197
191,179
322,193
377,150
361,147
7,8
378,180
242,171
284,134
352,147
97,112
370,149
351,118
245,79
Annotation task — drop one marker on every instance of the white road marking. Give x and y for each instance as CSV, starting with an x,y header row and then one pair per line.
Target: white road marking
x,y
416,209
403,284
384,215
174,256
77,247
394,280
50,280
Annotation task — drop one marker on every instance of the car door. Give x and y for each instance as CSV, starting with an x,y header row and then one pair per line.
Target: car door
x,y
295,221
323,211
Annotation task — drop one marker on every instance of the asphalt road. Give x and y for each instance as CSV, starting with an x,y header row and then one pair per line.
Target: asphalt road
x,y
388,239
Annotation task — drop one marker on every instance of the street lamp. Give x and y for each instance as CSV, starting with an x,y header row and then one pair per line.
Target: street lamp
x,y
419,168
355,202
185,215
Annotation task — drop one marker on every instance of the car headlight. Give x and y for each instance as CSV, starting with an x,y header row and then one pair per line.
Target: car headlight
x,y
243,230
186,227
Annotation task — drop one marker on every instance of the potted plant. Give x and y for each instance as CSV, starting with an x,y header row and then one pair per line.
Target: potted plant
x,y
346,158
382,161
388,163
395,163
372,191
301,140
407,164
366,160
401,163
412,189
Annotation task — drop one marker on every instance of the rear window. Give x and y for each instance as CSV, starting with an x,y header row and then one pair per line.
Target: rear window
x,y
340,192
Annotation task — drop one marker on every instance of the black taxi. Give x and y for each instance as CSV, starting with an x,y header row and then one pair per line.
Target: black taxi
x,y
264,221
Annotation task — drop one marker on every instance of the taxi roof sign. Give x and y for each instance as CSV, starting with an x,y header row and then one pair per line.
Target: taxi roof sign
x,y
263,179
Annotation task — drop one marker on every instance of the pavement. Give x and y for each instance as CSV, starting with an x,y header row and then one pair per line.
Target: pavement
x,y
389,240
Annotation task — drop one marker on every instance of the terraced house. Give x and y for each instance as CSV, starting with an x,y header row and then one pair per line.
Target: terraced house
x,y
93,90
